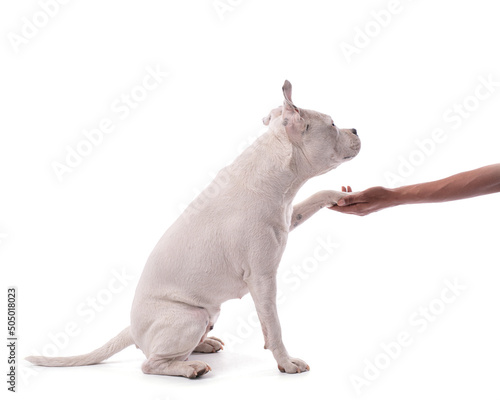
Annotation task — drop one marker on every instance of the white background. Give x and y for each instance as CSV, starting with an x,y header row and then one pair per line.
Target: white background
x,y
61,241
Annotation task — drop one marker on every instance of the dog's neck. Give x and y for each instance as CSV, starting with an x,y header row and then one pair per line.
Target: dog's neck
x,y
270,167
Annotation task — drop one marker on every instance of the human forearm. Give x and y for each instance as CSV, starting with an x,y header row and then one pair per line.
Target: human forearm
x,y
481,181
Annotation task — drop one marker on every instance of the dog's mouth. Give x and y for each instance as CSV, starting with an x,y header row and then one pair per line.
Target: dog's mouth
x,y
355,151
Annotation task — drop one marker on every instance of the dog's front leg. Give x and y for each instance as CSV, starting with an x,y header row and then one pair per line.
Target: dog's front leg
x,y
263,291
306,209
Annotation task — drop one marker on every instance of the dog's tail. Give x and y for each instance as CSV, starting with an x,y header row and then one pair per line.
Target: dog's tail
x,y
118,343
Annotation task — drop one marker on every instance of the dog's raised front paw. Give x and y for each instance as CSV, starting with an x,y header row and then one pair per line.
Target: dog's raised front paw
x,y
210,345
293,366
334,196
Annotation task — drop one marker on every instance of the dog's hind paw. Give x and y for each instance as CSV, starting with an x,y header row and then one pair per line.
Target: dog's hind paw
x,y
210,345
195,369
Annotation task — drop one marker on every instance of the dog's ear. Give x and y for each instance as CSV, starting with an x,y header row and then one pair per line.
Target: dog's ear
x,y
292,121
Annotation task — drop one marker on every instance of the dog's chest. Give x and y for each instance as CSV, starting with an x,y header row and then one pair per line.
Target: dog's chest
x,y
288,215
281,229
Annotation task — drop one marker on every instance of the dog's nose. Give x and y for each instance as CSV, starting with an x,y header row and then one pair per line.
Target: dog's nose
x,y
355,132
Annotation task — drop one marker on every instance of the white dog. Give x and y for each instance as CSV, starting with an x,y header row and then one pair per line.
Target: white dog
x,y
229,242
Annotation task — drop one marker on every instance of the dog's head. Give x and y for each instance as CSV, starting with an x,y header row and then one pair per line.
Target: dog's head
x,y
320,145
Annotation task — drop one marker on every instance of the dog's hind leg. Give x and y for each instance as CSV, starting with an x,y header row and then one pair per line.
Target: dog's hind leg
x,y
210,344
169,335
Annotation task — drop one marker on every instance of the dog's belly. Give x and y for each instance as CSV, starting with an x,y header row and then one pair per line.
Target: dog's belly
x,y
203,286
203,279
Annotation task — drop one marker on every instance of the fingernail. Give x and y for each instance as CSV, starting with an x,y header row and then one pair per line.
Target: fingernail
x,y
341,202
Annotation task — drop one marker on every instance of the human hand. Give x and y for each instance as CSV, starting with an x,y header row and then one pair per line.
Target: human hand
x,y
365,202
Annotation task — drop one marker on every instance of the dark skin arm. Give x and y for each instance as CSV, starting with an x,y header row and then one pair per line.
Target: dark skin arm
x,y
478,182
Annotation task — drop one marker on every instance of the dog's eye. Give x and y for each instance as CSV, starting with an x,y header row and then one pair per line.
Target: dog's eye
x,y
307,127
333,124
